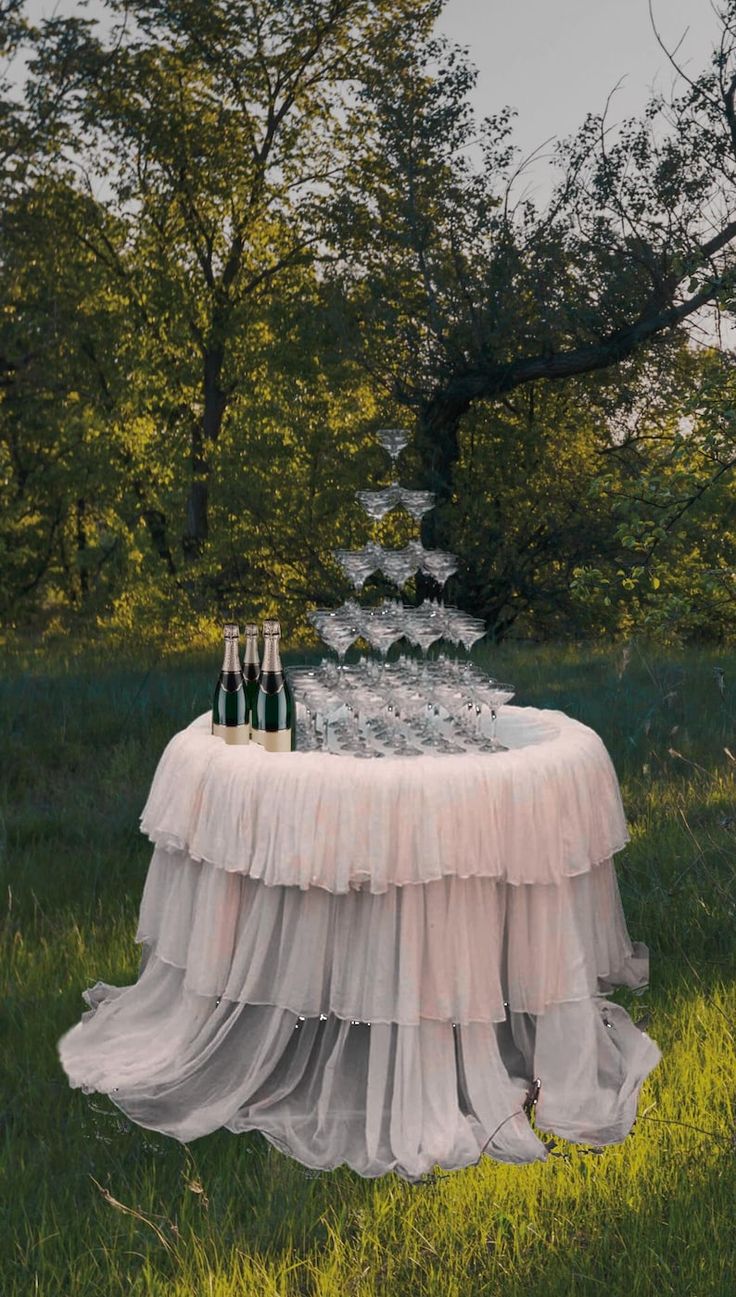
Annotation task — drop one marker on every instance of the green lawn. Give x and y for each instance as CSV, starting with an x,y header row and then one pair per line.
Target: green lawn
x,y
93,1205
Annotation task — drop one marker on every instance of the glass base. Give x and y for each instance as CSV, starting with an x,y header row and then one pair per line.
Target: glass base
x,y
495,745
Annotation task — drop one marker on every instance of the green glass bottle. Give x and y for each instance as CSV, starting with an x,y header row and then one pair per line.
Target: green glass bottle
x,y
230,704
273,718
251,667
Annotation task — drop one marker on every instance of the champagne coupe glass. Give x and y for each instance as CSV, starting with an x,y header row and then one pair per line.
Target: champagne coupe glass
x,y
323,708
351,618
317,617
430,720
470,630
303,680
423,628
391,719
412,672
466,714
431,609
439,612
306,735
336,629
381,626
301,676
393,441
369,706
453,697
400,735
352,733
399,565
452,618
474,712
378,503
450,633
496,694
439,565
416,503
414,549
461,628
405,695
359,564
333,715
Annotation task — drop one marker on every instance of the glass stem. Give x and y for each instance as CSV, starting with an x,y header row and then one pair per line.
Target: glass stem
x,y
493,725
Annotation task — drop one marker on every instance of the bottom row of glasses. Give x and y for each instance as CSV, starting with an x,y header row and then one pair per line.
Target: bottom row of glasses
x,y
400,712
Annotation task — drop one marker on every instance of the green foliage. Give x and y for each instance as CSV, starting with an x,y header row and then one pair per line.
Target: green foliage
x,y
671,498
94,1205
239,236
166,297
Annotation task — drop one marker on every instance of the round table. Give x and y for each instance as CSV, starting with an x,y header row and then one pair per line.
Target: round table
x,y
373,961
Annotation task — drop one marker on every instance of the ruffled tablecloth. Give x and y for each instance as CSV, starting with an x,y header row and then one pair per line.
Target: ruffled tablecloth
x,y
370,961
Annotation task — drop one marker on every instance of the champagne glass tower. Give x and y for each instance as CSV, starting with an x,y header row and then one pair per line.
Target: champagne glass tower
x,y
384,626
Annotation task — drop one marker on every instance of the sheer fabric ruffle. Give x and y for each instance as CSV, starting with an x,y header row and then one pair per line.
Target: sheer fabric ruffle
x,y
547,809
384,1097
454,949
390,1032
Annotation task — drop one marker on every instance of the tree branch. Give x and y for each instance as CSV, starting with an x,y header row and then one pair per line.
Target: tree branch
x,y
461,390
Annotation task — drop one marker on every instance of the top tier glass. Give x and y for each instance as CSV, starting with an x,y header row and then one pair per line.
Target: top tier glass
x,y
393,440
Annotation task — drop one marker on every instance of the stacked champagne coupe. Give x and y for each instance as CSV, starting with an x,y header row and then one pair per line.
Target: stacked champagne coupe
x,y
374,708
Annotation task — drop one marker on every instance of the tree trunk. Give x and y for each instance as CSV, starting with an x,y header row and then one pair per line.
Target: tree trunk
x,y
155,521
81,537
438,446
196,530
205,433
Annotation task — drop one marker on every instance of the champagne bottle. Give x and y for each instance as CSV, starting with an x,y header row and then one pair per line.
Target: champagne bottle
x,y
251,669
230,705
273,718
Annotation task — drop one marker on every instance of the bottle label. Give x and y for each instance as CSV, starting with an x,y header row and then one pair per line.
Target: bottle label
x,y
232,733
275,740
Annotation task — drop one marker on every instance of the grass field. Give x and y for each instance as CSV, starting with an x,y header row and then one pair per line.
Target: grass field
x,y
93,1205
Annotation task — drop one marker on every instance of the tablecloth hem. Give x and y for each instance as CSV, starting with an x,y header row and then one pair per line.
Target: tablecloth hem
x,y
389,1099
361,878
606,984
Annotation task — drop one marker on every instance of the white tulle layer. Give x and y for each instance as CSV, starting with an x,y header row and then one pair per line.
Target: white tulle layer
x,y
455,950
370,961
548,809
380,1098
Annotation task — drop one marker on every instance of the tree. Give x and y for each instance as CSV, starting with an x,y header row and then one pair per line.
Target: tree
x,y
50,463
458,294
207,137
667,486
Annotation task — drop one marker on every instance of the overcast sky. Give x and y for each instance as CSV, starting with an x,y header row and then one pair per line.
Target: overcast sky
x,y
555,60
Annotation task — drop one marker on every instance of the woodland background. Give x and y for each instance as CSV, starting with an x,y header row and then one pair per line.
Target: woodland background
x,y
238,237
